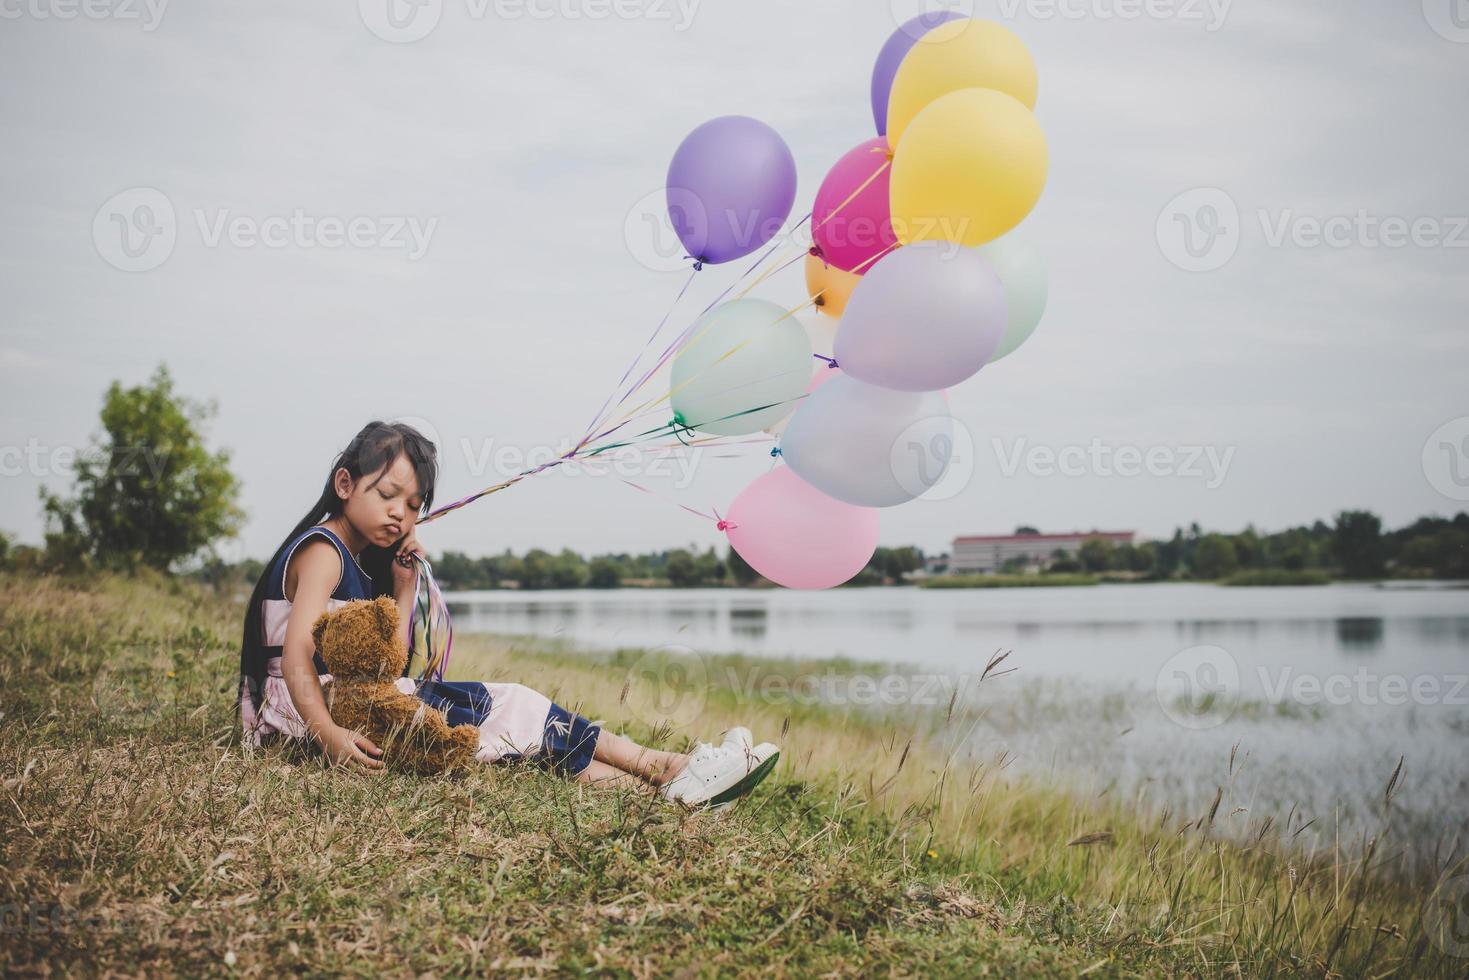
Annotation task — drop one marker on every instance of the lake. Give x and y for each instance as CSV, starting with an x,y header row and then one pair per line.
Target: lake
x,y
1147,690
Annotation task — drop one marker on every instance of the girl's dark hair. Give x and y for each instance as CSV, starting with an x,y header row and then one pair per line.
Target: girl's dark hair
x,y
377,446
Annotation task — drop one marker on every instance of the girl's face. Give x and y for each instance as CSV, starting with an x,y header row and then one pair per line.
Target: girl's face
x,y
382,506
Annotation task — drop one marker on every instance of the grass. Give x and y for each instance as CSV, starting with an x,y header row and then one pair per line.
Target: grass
x,y
998,581
137,838
1277,576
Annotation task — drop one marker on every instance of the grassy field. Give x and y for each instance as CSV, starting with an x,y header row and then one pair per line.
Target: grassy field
x,y
138,839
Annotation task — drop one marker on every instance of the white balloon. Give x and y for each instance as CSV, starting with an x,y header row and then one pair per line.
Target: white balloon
x,y
924,318
745,354
870,446
1021,268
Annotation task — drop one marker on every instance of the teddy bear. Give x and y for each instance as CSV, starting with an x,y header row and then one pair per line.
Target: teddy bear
x,y
360,644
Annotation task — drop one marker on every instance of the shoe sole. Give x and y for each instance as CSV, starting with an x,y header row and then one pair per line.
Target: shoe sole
x,y
752,779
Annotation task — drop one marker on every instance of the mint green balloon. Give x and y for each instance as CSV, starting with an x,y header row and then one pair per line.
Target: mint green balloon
x,y
1023,273
745,354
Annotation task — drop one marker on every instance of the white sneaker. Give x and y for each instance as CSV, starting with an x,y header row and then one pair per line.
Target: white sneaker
x,y
710,772
738,738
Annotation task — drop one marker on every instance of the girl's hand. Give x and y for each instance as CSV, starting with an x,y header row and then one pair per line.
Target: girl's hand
x,y
344,747
405,573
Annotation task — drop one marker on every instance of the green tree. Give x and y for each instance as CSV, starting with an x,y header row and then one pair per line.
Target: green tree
x,y
1215,557
148,492
1357,544
1095,554
680,569
603,573
739,569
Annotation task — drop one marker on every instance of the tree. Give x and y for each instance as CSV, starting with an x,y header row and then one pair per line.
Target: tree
x,y
1215,557
739,569
148,492
603,573
680,570
1095,554
1025,530
1357,545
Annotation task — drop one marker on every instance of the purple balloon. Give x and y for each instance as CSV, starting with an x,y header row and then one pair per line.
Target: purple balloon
x,y
891,57
730,188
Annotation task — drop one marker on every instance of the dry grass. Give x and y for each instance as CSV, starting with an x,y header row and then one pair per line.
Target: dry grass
x,y
138,839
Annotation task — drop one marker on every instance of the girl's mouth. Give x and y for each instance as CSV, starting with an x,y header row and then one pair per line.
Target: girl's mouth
x,y
392,529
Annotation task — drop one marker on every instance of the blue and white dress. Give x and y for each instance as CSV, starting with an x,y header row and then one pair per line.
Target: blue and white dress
x,y
514,721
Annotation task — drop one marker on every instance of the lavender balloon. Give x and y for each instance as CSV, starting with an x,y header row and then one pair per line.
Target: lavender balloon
x,y
924,317
891,56
730,188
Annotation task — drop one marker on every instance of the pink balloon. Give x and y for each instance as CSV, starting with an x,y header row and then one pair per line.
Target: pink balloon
x,y
851,234
797,536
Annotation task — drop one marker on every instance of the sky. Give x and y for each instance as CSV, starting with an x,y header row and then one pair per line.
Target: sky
x,y
501,156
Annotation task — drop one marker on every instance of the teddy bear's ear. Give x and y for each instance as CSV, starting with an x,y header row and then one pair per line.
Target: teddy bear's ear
x,y
318,629
387,617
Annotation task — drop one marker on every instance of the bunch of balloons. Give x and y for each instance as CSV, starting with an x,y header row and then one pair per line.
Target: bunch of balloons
x,y
914,270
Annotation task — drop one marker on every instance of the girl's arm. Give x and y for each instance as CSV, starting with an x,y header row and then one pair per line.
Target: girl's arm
x,y
317,567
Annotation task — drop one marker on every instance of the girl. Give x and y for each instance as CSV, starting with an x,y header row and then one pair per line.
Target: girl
x,y
357,542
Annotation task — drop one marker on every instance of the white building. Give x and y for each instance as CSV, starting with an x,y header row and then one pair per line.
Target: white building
x,y
986,553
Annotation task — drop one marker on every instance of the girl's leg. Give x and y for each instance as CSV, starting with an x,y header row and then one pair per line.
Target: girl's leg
x,y
603,775
627,756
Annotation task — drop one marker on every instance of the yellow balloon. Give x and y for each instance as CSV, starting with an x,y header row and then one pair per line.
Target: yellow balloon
x,y
961,54
829,286
970,167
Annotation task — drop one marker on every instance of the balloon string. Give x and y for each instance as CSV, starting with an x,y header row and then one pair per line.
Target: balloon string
x,y
639,356
853,196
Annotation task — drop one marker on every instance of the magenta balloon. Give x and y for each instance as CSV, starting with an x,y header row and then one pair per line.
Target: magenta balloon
x,y
890,58
797,536
851,235
730,188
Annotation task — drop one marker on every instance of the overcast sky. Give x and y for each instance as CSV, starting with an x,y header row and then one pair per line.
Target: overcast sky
x,y
518,138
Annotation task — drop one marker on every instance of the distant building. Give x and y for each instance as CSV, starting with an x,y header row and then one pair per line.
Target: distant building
x,y
984,554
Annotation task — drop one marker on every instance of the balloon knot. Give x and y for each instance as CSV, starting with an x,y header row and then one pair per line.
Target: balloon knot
x,y
816,251
775,451
698,262
725,525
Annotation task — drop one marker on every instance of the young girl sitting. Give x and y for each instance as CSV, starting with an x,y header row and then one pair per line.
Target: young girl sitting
x,y
357,542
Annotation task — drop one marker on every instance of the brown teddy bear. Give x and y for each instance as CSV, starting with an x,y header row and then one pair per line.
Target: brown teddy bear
x,y
360,644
